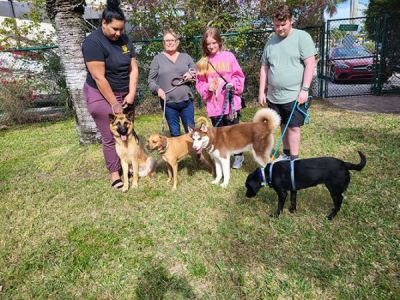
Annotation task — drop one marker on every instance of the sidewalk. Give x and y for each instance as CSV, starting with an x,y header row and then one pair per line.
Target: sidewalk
x,y
380,104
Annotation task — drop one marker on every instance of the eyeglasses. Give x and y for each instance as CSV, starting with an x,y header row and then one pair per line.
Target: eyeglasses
x,y
169,41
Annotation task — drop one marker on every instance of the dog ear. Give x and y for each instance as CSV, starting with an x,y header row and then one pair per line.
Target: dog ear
x,y
203,127
190,128
130,116
135,136
163,140
112,117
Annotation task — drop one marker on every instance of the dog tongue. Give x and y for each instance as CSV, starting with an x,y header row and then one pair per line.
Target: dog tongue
x,y
123,137
199,151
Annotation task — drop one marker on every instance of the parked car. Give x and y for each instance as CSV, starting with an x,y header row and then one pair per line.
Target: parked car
x,y
351,64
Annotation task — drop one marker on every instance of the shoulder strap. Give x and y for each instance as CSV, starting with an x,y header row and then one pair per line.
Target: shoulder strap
x,y
219,74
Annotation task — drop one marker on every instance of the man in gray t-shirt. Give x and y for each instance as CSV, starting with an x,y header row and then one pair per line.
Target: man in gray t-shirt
x,y
287,65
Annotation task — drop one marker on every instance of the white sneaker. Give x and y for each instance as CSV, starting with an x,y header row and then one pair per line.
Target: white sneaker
x,y
238,162
283,156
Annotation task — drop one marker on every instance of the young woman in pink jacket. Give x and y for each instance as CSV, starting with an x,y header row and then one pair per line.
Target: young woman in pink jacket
x,y
220,83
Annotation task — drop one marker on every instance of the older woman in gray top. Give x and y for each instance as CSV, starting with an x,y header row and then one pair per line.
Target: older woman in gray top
x,y
165,67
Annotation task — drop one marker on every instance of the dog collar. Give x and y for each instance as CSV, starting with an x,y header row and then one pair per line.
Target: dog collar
x,y
263,179
270,174
292,179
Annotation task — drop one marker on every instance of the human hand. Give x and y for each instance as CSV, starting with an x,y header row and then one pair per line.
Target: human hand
x,y
261,99
161,93
116,108
213,86
229,86
302,97
129,99
187,76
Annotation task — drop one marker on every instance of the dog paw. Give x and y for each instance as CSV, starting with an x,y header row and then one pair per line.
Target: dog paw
x,y
224,184
125,189
215,181
292,210
275,215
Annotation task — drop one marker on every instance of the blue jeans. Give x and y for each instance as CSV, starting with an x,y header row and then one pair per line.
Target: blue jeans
x,y
174,111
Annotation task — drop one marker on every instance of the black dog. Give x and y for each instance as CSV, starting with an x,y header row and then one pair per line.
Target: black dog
x,y
332,172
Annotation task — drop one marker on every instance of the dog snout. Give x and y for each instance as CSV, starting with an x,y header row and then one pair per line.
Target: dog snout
x,y
122,130
250,194
151,145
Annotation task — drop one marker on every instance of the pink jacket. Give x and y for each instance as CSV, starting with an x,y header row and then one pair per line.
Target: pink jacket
x,y
227,65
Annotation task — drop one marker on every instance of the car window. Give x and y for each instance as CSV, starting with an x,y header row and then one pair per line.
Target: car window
x,y
350,52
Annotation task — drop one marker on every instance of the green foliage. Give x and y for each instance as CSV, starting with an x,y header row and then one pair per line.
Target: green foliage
x,y
382,26
27,33
15,99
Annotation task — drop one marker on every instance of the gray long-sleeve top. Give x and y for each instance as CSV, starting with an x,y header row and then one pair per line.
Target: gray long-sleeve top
x,y
163,70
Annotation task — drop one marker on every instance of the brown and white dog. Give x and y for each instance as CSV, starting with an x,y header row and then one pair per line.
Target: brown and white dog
x,y
222,142
129,149
173,150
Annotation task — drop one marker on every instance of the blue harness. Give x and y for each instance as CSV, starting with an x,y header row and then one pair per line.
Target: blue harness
x,y
268,180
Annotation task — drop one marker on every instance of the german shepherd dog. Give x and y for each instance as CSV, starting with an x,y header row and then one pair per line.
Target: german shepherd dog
x,y
129,150
222,142
332,172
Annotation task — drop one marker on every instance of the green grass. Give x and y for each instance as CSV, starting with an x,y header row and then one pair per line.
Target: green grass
x,y
64,233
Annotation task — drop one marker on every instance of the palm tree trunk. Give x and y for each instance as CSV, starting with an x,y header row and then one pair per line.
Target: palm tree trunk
x,y
70,34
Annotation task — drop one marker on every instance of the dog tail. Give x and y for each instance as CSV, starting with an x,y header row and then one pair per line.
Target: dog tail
x,y
202,120
360,166
268,116
149,167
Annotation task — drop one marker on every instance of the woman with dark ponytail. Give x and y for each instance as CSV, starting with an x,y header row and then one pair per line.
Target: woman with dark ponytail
x,y
111,79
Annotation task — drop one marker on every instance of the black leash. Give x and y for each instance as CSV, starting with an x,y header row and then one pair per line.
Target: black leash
x,y
177,81
228,99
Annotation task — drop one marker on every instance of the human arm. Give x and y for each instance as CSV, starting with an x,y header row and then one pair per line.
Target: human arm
x,y
204,88
237,78
263,82
309,64
190,74
152,80
133,80
97,70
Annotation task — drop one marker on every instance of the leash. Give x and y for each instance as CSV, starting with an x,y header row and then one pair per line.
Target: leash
x,y
228,98
306,121
177,81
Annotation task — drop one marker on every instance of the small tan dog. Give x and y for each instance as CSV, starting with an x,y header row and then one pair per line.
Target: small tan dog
x,y
129,150
173,150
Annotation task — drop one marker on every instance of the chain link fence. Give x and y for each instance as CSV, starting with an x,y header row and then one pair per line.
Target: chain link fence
x,y
31,85
390,51
362,57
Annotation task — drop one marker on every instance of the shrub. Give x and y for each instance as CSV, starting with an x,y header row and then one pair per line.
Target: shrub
x,y
16,98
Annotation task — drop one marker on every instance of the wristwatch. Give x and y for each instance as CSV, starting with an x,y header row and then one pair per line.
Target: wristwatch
x,y
305,88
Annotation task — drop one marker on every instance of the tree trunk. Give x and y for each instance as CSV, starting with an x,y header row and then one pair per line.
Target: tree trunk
x,y
70,34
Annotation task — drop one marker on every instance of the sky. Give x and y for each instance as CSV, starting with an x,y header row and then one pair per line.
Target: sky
x,y
343,10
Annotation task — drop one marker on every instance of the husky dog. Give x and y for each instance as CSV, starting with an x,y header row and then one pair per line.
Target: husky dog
x,y
222,142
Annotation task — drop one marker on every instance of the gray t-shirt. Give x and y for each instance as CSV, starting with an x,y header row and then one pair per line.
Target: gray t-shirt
x,y
163,71
284,58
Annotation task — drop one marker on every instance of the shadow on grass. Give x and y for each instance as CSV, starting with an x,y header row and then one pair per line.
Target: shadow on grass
x,y
157,283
